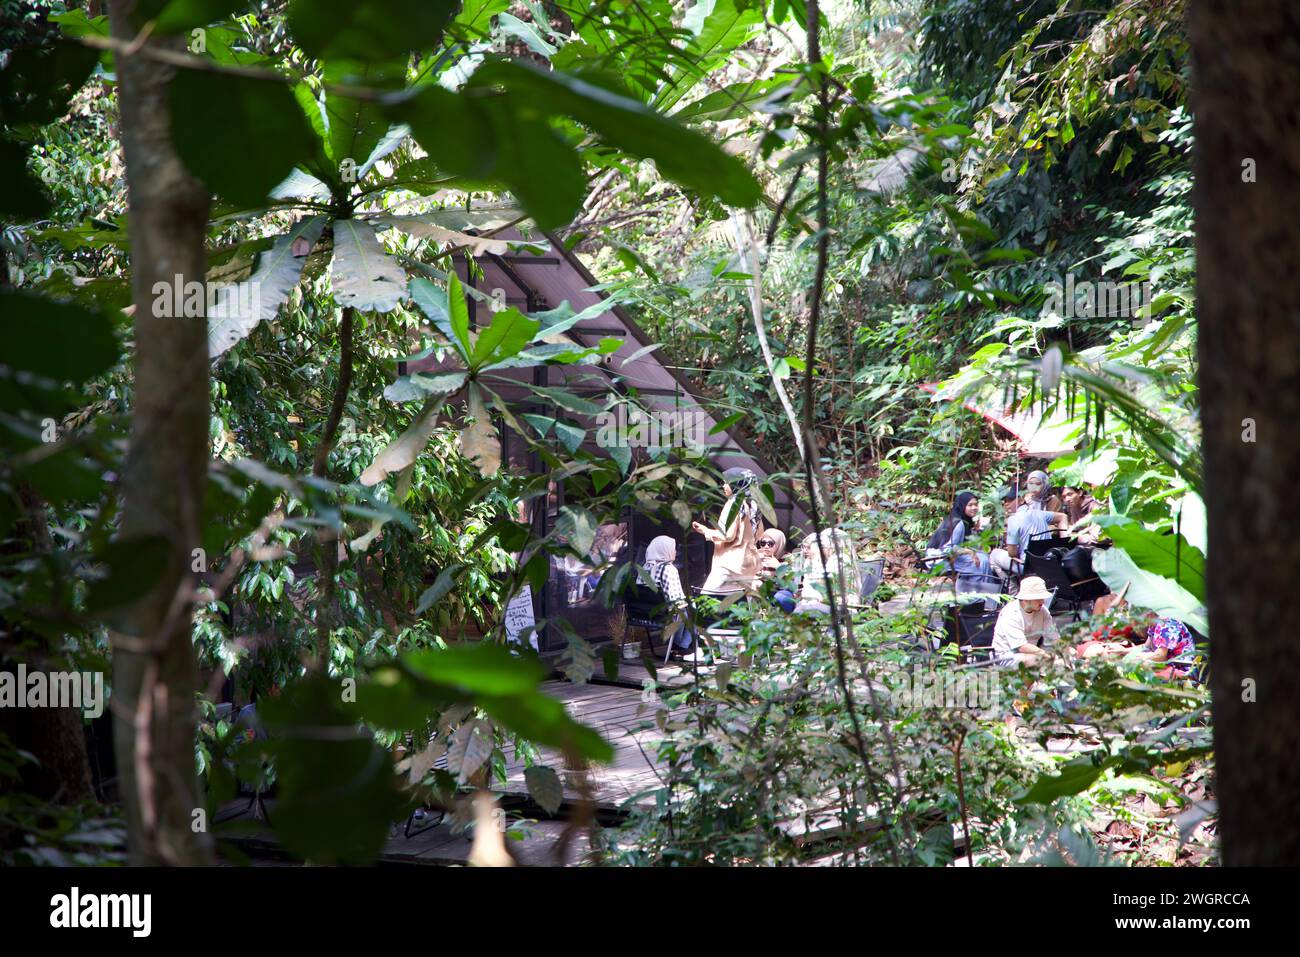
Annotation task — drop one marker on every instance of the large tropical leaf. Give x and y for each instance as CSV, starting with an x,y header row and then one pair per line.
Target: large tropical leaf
x,y
555,322
681,154
422,228
278,271
364,276
536,161
1171,556
887,176
180,16
38,82
741,98
1176,449
432,301
302,185
367,29
527,33
23,196
422,384
59,341
408,446
422,176
475,17
1162,595
357,126
719,26
388,144
567,353
504,338
250,108
478,440
484,218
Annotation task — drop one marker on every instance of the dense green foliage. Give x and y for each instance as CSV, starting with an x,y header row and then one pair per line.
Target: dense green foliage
x,y
978,153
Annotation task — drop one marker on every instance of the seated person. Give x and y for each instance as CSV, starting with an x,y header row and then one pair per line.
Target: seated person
x,y
1169,640
1027,522
1146,636
821,578
953,531
1113,632
659,558
1039,486
1023,625
999,558
1079,505
771,557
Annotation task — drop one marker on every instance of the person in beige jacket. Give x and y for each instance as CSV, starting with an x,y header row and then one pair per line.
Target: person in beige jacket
x,y
1024,625
735,550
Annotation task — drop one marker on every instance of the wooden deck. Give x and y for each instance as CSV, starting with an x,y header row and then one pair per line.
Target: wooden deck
x,y
622,712
533,844
628,721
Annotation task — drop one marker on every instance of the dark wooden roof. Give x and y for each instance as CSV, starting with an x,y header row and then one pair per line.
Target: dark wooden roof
x,y
533,281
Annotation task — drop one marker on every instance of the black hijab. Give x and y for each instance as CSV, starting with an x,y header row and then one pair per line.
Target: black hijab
x,y
943,534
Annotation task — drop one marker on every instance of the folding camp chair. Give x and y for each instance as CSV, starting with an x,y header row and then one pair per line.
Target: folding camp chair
x,y
931,564
1044,542
977,584
647,610
870,574
1087,584
1050,570
971,626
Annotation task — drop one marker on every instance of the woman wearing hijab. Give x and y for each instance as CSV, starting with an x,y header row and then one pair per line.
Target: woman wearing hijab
x,y
735,549
771,552
820,578
659,558
949,538
1043,497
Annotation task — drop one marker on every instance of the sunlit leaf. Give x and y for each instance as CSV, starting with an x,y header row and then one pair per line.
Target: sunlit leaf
x,y
364,276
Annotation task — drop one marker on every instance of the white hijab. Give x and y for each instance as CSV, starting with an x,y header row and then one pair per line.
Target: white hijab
x,y
839,549
659,557
661,549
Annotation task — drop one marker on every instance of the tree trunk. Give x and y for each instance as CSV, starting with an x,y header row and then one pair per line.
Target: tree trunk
x,y
1246,94
154,670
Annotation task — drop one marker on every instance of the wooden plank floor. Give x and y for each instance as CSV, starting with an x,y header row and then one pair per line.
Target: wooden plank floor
x,y
627,722
533,843
619,713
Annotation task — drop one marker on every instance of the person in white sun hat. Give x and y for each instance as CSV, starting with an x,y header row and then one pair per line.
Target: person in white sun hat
x,y
1024,626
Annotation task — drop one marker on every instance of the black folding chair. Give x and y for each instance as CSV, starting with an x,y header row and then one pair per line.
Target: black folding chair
x,y
930,564
647,610
971,626
1044,542
1087,584
1050,570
